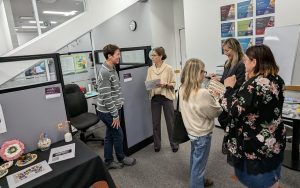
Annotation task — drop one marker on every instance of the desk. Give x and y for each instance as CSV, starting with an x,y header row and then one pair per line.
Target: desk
x,y
291,157
82,171
91,94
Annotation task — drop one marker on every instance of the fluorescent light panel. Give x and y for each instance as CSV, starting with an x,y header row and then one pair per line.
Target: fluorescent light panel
x,y
41,22
26,17
71,13
29,27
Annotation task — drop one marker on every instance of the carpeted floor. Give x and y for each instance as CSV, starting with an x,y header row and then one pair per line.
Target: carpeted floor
x,y
166,169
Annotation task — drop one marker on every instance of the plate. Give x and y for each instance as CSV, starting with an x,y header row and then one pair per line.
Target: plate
x,y
27,160
6,165
3,172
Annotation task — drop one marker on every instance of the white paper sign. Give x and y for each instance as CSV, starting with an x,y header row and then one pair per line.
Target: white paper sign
x,y
2,122
28,174
151,84
62,153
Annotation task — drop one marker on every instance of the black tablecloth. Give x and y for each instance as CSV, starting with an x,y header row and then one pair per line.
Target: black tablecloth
x,y
82,171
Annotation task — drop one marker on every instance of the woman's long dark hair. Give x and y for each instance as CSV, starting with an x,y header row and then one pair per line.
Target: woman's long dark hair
x,y
265,61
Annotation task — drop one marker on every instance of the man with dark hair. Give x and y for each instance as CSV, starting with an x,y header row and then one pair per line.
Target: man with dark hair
x,y
109,104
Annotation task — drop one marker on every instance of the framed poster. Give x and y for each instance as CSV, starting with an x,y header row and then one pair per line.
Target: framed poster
x,y
228,29
245,28
259,40
262,23
264,7
245,9
227,12
245,43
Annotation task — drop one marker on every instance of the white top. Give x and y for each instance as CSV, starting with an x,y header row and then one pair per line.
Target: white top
x,y
199,111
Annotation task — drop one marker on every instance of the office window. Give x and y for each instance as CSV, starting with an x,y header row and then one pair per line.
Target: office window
x,y
40,71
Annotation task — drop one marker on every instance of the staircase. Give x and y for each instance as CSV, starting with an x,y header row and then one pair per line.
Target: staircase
x,y
96,12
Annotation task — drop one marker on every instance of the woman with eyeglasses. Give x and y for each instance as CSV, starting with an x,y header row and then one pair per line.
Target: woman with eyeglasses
x,y
198,108
162,96
257,136
233,66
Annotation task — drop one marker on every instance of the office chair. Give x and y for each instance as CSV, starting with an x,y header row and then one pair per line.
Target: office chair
x,y
77,110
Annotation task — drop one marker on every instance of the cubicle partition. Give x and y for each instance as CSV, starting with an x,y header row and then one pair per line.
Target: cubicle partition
x,y
32,102
136,119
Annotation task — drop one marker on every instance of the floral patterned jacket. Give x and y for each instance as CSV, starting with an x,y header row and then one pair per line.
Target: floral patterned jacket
x,y
256,132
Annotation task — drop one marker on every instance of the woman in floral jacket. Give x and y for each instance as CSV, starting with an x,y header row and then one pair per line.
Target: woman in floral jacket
x,y
256,132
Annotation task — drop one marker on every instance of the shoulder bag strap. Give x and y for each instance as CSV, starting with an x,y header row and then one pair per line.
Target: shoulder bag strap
x,y
177,106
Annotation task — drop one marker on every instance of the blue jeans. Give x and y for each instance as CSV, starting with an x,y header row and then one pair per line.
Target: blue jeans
x,y
264,180
113,138
199,156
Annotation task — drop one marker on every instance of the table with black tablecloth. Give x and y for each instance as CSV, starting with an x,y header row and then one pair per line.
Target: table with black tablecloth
x,y
291,157
82,171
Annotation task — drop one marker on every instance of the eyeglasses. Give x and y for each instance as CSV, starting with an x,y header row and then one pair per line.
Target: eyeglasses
x,y
203,71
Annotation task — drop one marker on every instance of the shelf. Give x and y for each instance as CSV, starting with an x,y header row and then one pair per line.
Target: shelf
x,y
292,88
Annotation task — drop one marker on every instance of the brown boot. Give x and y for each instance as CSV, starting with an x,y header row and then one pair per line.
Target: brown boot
x,y
208,182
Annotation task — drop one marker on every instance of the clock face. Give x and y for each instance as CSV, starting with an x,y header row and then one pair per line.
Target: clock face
x,y
132,25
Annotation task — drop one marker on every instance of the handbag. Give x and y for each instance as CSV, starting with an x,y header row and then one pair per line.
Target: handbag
x,y
179,134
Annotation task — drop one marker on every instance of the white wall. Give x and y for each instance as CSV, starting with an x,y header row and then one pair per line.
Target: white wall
x,y
202,32
5,41
162,28
202,23
116,29
179,24
157,25
26,36
287,12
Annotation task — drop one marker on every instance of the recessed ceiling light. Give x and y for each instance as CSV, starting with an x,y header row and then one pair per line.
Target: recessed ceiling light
x,y
71,13
26,17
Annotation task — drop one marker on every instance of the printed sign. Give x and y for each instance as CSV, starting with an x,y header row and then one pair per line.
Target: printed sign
x,y
245,28
259,40
245,43
245,9
28,174
264,7
52,92
228,12
262,23
127,77
228,29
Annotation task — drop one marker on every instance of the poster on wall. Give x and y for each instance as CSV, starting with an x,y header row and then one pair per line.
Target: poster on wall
x,y
228,29
245,28
262,23
245,9
259,40
264,7
67,65
245,43
80,62
228,12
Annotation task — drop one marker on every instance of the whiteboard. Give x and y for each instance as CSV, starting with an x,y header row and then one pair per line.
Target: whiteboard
x,y
284,43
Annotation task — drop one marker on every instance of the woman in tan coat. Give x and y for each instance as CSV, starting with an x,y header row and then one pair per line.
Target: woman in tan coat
x,y
162,96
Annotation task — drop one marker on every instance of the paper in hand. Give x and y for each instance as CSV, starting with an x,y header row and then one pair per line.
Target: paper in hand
x,y
152,84
216,87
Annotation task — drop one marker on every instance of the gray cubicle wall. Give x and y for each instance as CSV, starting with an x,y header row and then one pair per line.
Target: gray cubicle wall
x,y
137,107
28,113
